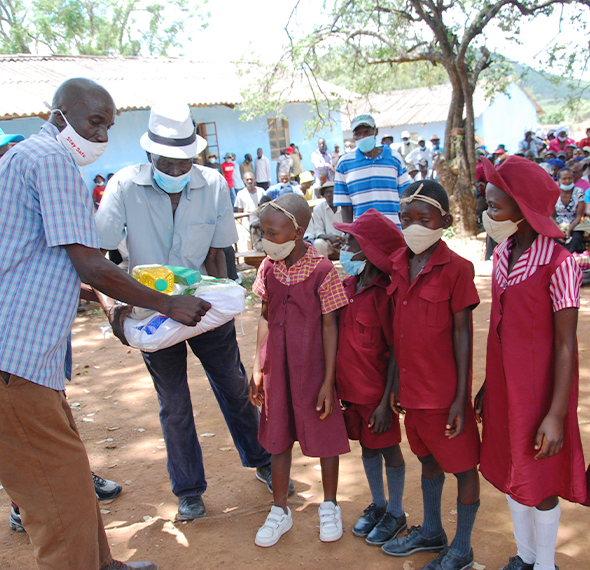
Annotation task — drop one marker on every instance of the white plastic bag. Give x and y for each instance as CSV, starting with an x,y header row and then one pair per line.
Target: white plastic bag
x,y
158,331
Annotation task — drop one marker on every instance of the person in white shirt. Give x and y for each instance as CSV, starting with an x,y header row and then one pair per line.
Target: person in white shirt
x,y
423,172
248,198
422,151
406,146
321,232
262,170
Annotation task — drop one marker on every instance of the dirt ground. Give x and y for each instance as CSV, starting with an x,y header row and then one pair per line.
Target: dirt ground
x,y
116,409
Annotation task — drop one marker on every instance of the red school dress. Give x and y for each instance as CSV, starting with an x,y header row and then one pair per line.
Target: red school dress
x,y
520,373
292,355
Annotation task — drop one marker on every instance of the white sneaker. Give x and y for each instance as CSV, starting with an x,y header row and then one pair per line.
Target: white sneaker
x,y
330,522
276,525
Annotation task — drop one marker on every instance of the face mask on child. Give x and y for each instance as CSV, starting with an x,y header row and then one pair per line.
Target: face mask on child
x,y
567,187
277,251
499,231
419,238
351,267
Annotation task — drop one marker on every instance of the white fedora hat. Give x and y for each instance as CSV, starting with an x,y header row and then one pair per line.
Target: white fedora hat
x,y
171,132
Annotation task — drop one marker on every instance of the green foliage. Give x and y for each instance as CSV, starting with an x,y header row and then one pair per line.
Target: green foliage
x,y
563,98
94,27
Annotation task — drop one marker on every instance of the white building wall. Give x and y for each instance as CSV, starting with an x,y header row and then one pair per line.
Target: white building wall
x,y
505,119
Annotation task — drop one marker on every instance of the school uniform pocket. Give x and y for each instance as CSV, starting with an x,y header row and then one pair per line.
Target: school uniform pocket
x,y
366,332
434,307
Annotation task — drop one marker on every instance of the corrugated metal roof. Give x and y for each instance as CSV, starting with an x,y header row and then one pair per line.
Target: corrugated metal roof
x,y
135,83
421,105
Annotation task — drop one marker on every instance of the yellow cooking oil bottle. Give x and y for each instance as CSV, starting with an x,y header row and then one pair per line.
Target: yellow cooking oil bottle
x,y
155,277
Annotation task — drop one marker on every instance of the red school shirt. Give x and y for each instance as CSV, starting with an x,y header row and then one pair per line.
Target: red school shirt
x,y
423,325
365,335
228,171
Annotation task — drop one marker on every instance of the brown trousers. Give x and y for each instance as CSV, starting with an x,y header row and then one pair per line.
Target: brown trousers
x,y
45,471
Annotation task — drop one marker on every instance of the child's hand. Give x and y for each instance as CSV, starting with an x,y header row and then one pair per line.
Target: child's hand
x,y
380,420
255,389
456,419
396,405
478,404
325,401
549,438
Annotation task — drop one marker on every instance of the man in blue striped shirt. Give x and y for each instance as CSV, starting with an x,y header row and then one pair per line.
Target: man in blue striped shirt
x,y
48,243
370,176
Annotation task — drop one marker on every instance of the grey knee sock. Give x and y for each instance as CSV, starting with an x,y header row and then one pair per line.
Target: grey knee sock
x,y
374,471
461,544
396,477
432,495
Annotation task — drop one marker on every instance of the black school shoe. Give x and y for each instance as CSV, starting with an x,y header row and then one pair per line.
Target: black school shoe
x,y
190,508
371,516
517,563
105,489
446,560
415,542
386,529
264,474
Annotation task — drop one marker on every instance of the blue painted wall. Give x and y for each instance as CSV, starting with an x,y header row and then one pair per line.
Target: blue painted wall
x,y
233,136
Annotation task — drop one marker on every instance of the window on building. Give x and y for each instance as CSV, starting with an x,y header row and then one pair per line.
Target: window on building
x,y
209,132
278,133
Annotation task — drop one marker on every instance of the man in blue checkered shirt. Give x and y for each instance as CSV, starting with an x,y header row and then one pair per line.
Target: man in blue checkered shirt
x,y
48,243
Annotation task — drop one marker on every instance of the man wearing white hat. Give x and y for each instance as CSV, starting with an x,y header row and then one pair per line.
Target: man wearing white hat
x,y
179,213
407,145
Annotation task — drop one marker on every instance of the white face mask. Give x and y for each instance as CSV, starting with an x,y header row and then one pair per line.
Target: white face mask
x,y
83,151
419,238
277,251
499,231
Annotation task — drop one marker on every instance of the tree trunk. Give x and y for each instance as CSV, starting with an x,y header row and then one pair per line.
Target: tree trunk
x,y
456,172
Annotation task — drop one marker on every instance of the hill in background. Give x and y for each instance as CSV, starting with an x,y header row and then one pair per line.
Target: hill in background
x,y
563,101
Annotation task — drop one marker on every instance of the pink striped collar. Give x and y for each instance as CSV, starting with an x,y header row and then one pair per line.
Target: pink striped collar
x,y
538,254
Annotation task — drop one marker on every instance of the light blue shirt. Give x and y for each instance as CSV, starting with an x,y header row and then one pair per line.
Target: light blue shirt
x,y
44,205
203,219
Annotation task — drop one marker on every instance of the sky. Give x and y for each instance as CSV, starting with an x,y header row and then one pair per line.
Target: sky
x,y
239,29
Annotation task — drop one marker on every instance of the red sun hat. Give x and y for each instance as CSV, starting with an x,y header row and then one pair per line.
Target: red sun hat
x,y
532,189
377,235
289,150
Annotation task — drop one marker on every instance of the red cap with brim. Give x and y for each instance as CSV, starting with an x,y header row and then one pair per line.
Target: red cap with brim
x,y
532,189
377,235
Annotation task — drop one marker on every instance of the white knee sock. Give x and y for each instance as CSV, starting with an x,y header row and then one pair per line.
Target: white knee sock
x,y
523,521
546,526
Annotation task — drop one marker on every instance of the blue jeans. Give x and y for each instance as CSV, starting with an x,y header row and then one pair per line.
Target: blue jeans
x,y
219,354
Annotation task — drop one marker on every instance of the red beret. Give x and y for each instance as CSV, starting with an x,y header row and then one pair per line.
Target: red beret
x,y
532,189
377,235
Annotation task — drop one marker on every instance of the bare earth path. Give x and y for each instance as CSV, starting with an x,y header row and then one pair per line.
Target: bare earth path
x,y
117,413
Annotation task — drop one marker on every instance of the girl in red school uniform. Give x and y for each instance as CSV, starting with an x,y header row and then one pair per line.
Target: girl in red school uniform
x,y
294,368
362,382
531,448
